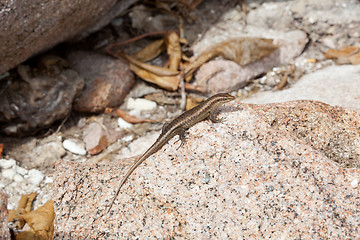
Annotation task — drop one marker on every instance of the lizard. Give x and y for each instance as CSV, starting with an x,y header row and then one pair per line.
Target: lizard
x,y
178,127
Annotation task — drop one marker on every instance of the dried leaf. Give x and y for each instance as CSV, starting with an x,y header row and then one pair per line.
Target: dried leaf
x,y
241,50
26,235
15,217
153,69
192,102
344,52
170,83
173,50
130,118
355,59
194,88
345,55
41,221
151,51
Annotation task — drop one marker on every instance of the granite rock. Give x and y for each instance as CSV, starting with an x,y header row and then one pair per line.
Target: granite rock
x,y
276,171
4,228
34,26
335,85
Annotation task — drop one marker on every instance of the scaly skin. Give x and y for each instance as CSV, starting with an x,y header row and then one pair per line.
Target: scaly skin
x,y
178,127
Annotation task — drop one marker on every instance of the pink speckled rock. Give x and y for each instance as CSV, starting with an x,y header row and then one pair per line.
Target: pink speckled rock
x,y
270,171
4,228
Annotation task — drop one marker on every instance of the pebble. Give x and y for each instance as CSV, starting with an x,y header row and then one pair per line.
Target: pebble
x,y
20,170
73,147
18,178
128,138
7,163
48,180
35,176
140,104
124,124
355,183
8,173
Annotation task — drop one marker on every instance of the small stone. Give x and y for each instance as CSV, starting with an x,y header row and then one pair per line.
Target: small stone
x,y
18,178
48,180
8,173
20,170
355,183
5,163
73,147
128,138
35,176
140,104
124,124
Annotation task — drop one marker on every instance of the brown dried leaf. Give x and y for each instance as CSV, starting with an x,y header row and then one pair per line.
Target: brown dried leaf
x,y
26,235
153,69
355,59
24,206
41,221
240,50
167,82
173,50
151,51
345,55
130,118
192,102
344,52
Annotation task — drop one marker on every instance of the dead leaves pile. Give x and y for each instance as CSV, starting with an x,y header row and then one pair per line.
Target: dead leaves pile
x,y
37,224
243,51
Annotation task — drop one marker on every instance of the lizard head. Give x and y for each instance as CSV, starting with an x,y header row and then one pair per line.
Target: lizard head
x,y
223,97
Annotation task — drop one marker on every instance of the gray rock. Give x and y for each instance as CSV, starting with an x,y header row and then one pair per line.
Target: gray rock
x,y
335,85
223,76
28,27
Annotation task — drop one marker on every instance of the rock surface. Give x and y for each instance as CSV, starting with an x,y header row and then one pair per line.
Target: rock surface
x,y
16,180
35,101
34,26
4,228
335,85
274,171
107,80
227,78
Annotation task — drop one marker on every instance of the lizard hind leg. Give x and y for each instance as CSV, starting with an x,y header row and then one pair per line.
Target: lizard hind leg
x,y
182,137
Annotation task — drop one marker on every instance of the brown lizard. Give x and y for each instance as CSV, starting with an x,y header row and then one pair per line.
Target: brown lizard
x,y
178,127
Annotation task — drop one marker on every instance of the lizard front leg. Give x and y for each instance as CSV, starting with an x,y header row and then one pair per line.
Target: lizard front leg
x,y
213,117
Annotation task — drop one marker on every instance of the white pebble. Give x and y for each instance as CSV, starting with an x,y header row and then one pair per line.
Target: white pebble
x,y
20,170
140,104
35,176
5,163
355,183
48,180
128,138
18,178
73,147
8,173
124,124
